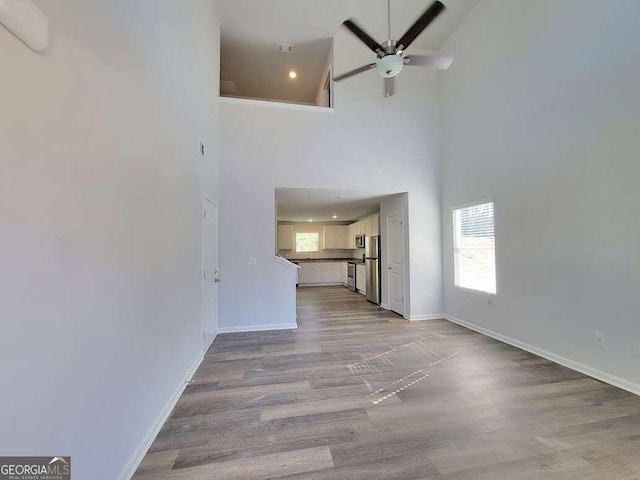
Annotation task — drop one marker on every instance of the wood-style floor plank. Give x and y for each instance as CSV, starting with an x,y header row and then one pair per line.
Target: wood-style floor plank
x,y
358,393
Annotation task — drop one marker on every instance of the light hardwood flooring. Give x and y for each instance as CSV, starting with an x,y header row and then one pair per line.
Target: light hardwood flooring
x,y
357,392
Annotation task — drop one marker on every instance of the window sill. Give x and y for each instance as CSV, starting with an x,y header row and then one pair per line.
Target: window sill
x,y
477,292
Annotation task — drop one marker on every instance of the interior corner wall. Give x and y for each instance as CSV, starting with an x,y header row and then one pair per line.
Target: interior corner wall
x,y
349,148
101,189
540,112
319,100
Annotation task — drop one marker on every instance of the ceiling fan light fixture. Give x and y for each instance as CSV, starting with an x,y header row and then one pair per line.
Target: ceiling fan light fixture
x,y
389,66
390,54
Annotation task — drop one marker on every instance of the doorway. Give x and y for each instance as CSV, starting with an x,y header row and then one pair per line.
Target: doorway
x,y
210,277
395,247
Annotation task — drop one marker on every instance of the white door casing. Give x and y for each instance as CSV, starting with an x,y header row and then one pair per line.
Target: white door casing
x,y
210,276
395,267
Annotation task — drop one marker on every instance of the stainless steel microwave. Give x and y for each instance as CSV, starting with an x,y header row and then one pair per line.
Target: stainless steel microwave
x,y
360,241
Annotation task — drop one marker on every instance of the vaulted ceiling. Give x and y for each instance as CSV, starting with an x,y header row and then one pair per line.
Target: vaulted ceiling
x,y
251,30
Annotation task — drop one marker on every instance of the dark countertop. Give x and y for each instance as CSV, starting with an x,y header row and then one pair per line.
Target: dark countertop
x,y
325,260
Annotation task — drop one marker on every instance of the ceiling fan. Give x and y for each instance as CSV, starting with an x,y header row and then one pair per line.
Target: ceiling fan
x,y
391,57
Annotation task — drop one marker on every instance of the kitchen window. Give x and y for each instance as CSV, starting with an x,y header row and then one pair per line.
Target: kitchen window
x,y
475,248
307,242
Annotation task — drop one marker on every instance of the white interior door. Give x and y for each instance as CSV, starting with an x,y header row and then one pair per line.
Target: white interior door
x,y
395,234
210,277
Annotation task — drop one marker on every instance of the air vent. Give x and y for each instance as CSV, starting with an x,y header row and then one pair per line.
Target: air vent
x,y
284,48
228,88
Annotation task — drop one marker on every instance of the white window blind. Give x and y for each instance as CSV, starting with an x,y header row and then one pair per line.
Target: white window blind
x,y
475,248
307,242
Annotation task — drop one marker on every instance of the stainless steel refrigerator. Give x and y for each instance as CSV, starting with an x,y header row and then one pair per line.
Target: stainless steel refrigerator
x,y
372,267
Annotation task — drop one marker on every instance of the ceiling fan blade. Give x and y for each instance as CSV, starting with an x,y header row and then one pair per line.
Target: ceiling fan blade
x,y
423,22
441,62
363,36
389,86
354,72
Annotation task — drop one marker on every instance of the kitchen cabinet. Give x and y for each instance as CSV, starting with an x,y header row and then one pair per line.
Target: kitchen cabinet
x,y
351,232
367,226
372,226
285,237
361,280
332,273
320,273
335,237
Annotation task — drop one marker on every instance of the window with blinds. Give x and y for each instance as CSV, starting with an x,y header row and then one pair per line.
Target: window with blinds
x,y
307,242
475,248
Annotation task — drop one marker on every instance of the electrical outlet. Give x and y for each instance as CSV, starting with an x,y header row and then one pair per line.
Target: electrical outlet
x,y
252,261
600,339
432,297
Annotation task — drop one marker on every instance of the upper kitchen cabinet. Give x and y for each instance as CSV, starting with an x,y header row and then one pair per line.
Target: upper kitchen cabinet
x,y
336,237
285,237
372,226
351,233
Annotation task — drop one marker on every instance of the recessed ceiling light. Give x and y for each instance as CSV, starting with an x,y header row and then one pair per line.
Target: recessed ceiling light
x,y
310,220
293,74
341,197
335,216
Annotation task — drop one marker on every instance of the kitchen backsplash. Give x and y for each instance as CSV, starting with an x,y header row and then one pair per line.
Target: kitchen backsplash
x,y
292,255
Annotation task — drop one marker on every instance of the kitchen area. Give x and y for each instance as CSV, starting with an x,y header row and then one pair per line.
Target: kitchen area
x,y
345,253
354,239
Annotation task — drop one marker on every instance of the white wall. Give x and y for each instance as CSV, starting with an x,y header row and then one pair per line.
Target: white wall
x,y
368,143
101,191
320,100
541,112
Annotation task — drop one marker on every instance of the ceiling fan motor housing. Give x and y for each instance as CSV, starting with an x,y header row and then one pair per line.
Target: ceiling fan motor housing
x,y
389,65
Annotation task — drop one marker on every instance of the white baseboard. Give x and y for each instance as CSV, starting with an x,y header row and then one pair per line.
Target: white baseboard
x,y
210,342
259,328
137,457
419,318
321,284
565,362
385,306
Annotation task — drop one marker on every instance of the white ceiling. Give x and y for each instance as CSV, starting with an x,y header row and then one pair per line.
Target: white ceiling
x,y
302,204
251,29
